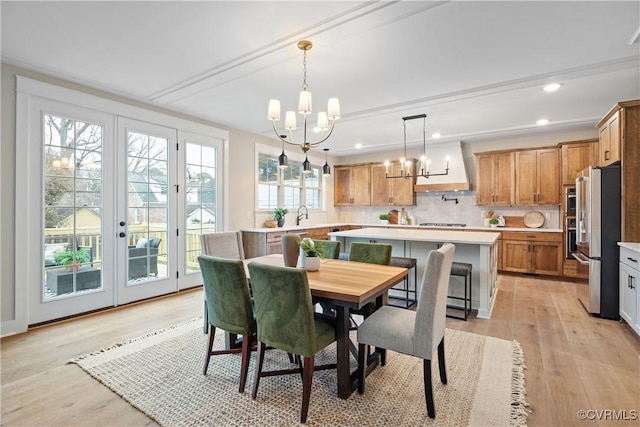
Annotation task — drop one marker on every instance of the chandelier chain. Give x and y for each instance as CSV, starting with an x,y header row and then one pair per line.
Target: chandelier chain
x,y
304,70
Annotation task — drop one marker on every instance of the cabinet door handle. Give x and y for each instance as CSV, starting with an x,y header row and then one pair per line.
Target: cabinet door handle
x,y
630,280
632,259
606,154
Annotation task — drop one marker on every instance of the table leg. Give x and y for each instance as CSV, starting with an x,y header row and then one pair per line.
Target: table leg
x,y
342,352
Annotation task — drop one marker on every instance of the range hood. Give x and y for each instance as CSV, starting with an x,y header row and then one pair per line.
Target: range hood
x,y
456,180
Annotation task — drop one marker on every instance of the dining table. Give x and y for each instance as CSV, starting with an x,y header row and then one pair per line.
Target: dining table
x,y
346,285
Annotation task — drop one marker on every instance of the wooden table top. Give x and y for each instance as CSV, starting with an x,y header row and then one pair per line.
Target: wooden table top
x,y
349,281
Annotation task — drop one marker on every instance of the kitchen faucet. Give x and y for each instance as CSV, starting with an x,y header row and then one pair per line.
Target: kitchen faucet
x,y
305,215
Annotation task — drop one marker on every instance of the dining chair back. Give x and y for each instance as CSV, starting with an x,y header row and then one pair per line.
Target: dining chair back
x,y
372,253
286,320
290,249
331,248
416,333
227,244
229,307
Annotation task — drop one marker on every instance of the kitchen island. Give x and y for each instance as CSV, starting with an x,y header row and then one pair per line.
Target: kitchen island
x,y
480,249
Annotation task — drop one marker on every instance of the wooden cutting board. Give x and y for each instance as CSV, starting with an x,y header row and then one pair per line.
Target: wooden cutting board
x,y
393,216
514,221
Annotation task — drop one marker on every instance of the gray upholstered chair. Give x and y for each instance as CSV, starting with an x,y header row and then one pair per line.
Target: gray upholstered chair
x,y
286,320
229,307
290,249
416,333
226,244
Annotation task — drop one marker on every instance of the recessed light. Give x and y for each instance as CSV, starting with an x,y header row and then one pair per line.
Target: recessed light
x,y
435,135
552,87
542,122
358,145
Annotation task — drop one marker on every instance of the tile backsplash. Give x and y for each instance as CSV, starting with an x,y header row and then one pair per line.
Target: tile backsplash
x,y
432,208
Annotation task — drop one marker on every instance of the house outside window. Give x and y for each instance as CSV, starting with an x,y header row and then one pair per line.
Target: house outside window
x,y
287,187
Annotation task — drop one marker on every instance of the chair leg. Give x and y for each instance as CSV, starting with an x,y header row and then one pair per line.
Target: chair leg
x,y
212,335
441,362
307,378
206,318
247,342
362,366
256,380
383,355
428,390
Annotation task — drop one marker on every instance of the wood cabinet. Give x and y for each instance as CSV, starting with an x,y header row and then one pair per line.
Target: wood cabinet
x,y
537,181
576,156
531,252
620,133
609,134
494,178
351,185
391,191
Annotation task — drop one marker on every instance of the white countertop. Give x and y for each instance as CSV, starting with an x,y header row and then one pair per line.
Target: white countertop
x,y
634,246
421,235
400,226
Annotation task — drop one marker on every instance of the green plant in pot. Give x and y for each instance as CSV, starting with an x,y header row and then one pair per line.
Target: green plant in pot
x,y
72,259
279,215
384,218
311,254
493,222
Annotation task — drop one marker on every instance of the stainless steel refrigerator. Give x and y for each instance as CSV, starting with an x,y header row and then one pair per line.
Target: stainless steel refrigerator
x,y
598,202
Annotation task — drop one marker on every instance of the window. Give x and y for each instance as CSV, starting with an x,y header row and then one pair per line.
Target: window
x,y
287,187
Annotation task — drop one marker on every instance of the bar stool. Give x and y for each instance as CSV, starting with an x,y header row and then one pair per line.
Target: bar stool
x,y
464,270
407,301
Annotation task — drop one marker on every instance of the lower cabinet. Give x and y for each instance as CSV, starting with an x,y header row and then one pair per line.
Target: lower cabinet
x,y
629,297
536,253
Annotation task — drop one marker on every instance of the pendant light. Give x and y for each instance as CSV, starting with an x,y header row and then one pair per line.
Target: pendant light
x,y
306,166
326,169
283,161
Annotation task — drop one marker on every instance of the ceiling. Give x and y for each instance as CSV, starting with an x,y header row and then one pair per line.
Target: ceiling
x,y
477,69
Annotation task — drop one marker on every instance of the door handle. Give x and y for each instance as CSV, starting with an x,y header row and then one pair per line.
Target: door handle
x,y
122,234
581,258
606,154
631,259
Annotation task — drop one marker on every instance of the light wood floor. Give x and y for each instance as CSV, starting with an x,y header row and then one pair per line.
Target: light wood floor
x,y
573,361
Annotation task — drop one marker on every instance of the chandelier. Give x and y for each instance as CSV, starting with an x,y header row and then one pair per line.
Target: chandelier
x,y
304,108
405,164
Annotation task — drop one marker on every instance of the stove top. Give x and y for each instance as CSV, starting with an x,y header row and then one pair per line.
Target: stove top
x,y
442,224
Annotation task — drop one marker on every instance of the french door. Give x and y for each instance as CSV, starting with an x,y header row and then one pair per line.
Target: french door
x,y
110,209
68,216
147,211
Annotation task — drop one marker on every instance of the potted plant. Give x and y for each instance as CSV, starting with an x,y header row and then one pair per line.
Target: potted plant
x,y
279,215
384,218
72,259
493,222
310,254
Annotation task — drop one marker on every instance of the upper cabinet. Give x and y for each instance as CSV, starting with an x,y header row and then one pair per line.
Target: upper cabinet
x,y
494,177
367,185
609,131
537,181
391,191
576,156
620,140
518,177
352,185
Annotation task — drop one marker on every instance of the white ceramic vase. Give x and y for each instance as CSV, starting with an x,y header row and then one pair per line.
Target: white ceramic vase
x,y
309,263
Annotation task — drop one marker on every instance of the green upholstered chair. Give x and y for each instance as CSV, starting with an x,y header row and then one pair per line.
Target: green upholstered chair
x,y
225,244
373,253
331,248
286,320
416,333
229,307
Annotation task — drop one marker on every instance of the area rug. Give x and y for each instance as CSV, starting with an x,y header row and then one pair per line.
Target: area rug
x,y
161,375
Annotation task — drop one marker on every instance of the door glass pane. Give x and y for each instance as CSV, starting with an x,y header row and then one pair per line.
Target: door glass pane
x,y
267,182
147,211
201,199
73,207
